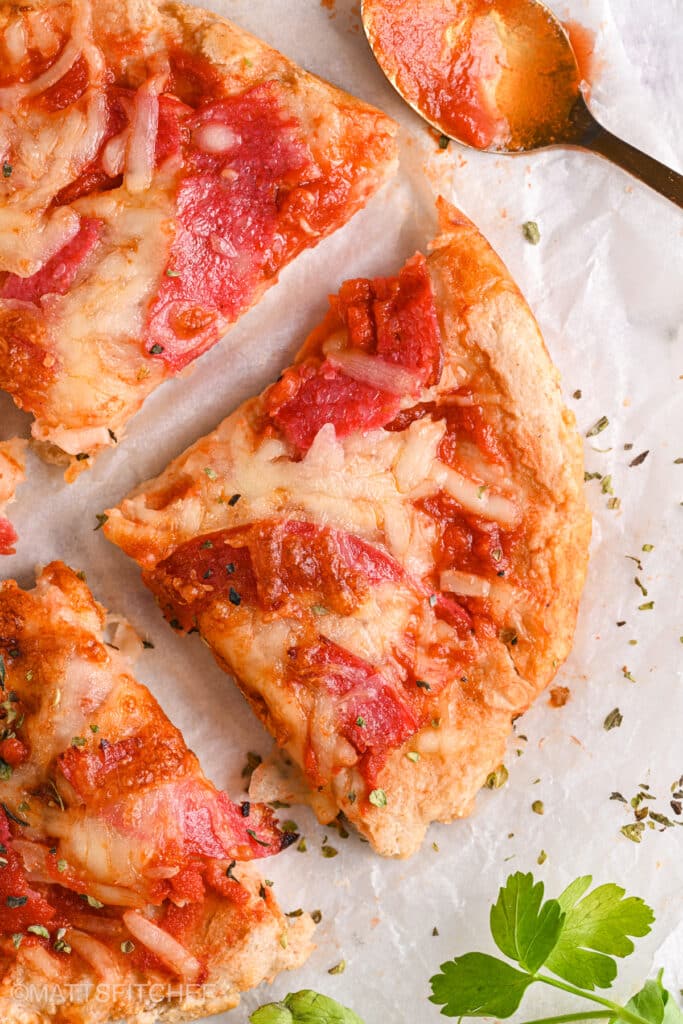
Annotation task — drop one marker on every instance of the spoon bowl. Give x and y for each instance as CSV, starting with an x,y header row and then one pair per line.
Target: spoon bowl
x,y
497,75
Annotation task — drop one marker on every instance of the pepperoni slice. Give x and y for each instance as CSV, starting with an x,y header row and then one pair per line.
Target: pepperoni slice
x,y
271,564
228,209
391,318
129,784
395,318
370,712
59,273
309,396
68,89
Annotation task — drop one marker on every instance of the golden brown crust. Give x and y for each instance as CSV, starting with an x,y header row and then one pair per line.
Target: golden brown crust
x,y
493,349
69,683
12,473
78,370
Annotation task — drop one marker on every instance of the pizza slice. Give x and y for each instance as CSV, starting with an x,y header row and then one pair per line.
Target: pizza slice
x,y
160,166
11,475
125,887
387,547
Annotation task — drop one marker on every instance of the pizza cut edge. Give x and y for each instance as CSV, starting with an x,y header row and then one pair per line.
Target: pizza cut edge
x,y
85,329
12,473
126,888
492,348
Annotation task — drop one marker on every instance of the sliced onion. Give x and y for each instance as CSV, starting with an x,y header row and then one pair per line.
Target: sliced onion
x,y
12,94
215,137
143,139
121,635
376,372
115,895
161,873
163,945
114,154
95,128
464,583
476,498
95,953
109,926
40,961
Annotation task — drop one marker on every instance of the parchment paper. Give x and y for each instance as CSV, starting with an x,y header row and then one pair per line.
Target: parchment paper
x,y
606,284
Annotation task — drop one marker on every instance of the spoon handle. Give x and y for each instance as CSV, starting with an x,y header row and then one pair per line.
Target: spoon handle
x,y
648,170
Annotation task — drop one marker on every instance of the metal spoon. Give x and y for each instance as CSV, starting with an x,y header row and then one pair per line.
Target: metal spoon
x,y
499,76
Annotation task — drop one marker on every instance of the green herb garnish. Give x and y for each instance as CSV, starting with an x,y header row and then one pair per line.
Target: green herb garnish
x,y
598,427
575,937
613,720
531,232
305,1007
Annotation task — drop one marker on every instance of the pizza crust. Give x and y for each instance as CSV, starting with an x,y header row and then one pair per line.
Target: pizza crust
x,y
81,362
360,484
56,634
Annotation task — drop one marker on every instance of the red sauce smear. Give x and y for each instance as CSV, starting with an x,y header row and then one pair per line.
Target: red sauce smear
x,y
68,89
583,45
491,74
8,537
391,318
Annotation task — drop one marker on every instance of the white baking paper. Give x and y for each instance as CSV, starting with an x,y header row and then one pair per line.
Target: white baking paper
x,y
606,284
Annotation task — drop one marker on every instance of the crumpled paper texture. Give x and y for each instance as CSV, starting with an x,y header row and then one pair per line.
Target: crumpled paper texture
x,y
605,283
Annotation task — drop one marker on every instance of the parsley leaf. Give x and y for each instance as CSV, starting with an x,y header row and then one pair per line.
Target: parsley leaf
x,y
478,985
524,928
577,936
654,1004
305,1007
597,928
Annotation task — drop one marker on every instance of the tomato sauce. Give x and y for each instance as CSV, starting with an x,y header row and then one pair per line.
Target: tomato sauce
x,y
492,73
8,537
583,45
20,905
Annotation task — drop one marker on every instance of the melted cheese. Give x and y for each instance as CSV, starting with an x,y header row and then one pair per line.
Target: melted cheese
x,y
93,323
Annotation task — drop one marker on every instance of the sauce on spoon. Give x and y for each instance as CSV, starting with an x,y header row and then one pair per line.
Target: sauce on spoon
x,y
494,74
